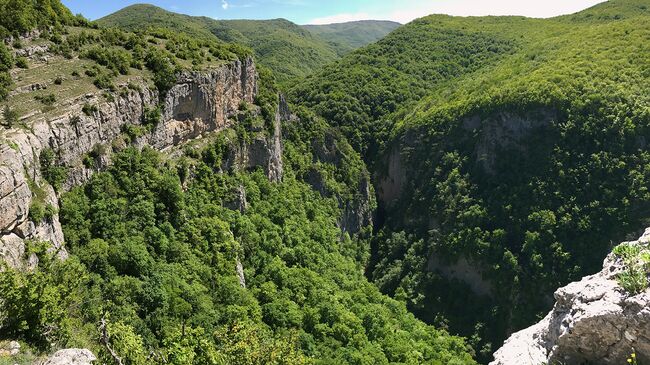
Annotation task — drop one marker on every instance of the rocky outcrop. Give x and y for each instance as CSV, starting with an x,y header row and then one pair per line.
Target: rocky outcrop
x,y
358,208
201,102
358,212
263,148
593,321
504,130
71,357
464,270
391,185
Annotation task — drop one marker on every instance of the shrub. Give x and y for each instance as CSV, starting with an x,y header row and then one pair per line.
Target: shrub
x,y
75,120
22,62
634,277
151,117
104,81
48,99
18,44
37,211
89,109
10,117
58,80
52,172
6,60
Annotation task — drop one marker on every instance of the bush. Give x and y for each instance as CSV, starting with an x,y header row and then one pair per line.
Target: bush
x,y
75,120
37,211
58,80
10,117
113,58
52,172
48,99
151,117
6,60
161,64
89,109
104,81
634,277
21,62
5,82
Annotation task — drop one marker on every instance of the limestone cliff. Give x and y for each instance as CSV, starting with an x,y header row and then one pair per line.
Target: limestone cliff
x,y
593,321
200,102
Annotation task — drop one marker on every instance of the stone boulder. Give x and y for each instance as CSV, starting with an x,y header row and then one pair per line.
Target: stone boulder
x,y
593,321
71,357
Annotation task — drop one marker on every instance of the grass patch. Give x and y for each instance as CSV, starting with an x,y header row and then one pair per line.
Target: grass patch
x,y
634,278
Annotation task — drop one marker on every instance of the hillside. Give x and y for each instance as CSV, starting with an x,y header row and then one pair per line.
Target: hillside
x,y
349,36
508,154
288,49
161,204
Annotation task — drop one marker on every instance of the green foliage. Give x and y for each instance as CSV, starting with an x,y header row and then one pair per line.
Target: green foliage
x,y
21,62
634,277
20,16
39,211
288,49
6,59
362,92
42,300
161,63
10,117
151,117
116,59
89,109
521,151
48,99
164,257
52,172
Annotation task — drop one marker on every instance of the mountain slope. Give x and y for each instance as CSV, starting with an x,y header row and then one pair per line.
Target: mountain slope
x,y
244,242
288,49
508,154
349,36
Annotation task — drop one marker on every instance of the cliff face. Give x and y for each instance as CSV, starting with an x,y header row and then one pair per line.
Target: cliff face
x,y
593,321
200,102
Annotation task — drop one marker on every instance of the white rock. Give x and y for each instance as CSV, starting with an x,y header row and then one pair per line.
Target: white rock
x,y
71,357
593,321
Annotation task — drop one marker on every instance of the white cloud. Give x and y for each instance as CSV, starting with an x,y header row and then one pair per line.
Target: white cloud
x,y
412,9
341,18
224,4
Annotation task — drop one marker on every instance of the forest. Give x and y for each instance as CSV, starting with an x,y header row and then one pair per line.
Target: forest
x,y
513,148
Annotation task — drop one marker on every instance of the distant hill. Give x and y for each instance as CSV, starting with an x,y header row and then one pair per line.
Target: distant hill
x,y
352,35
288,49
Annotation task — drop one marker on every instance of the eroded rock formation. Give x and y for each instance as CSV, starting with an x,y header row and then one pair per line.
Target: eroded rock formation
x,y
593,321
200,102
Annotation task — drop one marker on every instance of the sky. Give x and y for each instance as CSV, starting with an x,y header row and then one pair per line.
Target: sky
x,y
336,11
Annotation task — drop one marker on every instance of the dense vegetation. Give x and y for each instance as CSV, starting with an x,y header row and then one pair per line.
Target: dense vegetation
x,y
155,56
21,16
288,49
520,145
153,265
523,144
363,91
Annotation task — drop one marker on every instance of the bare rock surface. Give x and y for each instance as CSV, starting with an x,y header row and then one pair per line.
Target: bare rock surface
x,y
200,102
593,321
71,357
